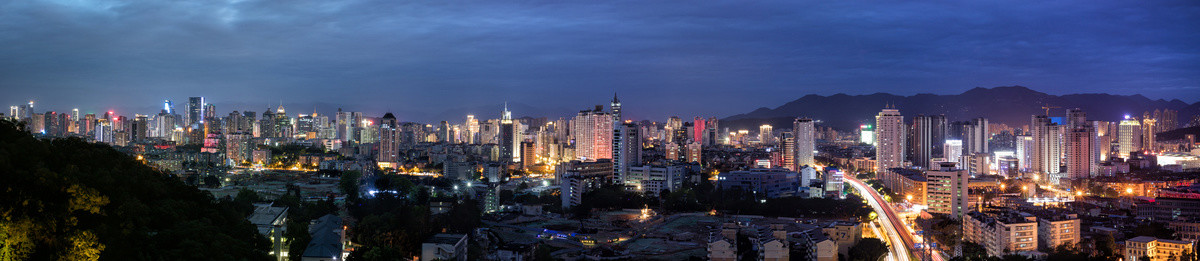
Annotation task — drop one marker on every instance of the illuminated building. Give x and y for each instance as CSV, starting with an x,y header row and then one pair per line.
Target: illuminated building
x,y
195,111
1002,231
593,134
1080,152
627,144
1156,249
866,134
698,128
140,128
616,111
1024,153
766,134
787,141
507,137
889,134
388,156
472,135
947,191
975,136
1047,145
693,153
1129,137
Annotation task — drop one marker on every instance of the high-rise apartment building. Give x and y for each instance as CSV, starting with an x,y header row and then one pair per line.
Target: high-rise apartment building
x,y
805,144
889,135
627,145
389,146
593,134
946,191
1047,150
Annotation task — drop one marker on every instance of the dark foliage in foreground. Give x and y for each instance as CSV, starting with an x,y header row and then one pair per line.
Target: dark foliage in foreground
x,y
66,199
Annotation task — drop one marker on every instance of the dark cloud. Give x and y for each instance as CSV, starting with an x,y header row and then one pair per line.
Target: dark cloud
x,y
664,57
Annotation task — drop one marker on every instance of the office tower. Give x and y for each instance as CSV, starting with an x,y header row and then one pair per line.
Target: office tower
x,y
889,134
368,132
266,125
195,111
947,191
787,145
803,132
389,146
616,112
1047,145
103,132
928,137
698,130
1148,133
1024,154
507,136
305,123
593,134
89,124
472,135
140,128
443,132
627,147
766,134
673,124
283,123
1129,137
954,151
975,136
210,111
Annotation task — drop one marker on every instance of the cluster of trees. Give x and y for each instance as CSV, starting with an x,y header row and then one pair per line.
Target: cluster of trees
x,y
66,199
705,197
392,225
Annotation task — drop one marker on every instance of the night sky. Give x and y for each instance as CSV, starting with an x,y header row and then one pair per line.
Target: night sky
x,y
687,58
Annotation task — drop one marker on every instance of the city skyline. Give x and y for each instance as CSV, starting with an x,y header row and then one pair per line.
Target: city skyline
x,y
429,58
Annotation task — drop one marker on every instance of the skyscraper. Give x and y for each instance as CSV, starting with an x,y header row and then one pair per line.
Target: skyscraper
x,y
1129,137
766,134
975,137
889,135
1047,145
593,134
787,145
805,143
627,144
616,111
1080,145
388,156
927,139
698,130
507,136
195,113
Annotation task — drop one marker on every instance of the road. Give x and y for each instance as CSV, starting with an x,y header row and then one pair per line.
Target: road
x,y
902,251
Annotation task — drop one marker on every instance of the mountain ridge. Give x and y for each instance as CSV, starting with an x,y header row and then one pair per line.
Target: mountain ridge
x,y
1010,105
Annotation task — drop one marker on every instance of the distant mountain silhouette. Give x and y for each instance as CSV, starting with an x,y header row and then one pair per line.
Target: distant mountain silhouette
x,y
1008,105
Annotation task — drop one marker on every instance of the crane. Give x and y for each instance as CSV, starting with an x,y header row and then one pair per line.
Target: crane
x,y
1047,107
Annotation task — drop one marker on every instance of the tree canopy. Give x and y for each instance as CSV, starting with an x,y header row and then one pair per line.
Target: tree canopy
x,y
66,199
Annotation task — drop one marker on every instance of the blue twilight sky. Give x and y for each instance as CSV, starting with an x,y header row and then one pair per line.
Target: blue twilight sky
x,y
718,58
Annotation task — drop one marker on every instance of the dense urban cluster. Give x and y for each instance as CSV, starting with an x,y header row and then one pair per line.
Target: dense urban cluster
x,y
351,186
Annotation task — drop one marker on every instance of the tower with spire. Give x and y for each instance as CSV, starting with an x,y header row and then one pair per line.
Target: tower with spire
x,y
616,111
